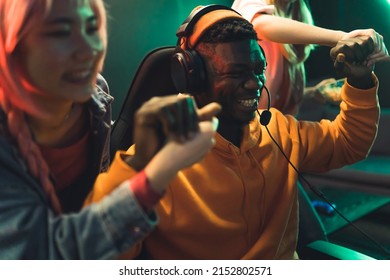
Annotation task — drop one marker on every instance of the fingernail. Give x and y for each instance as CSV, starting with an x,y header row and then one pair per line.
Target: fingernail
x,y
340,57
215,123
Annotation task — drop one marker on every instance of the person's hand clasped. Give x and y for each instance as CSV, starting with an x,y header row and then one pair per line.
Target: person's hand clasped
x,y
350,60
193,149
380,52
172,134
172,120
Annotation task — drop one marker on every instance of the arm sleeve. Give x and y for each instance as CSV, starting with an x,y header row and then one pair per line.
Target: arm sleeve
x,y
29,230
249,8
347,139
103,230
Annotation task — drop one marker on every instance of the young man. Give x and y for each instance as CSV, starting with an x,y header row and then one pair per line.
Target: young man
x,y
240,201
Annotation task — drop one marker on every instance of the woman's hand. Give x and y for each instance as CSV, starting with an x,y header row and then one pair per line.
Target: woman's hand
x,y
380,52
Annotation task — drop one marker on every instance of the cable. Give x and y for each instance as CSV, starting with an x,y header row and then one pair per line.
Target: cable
x,y
307,183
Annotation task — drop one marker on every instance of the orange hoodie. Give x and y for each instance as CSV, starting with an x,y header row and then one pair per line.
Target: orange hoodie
x,y
241,203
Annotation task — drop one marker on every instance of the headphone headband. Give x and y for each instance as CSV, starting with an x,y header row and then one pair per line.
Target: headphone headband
x,y
186,27
194,25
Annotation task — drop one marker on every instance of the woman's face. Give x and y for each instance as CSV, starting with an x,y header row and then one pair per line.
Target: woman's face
x,y
60,57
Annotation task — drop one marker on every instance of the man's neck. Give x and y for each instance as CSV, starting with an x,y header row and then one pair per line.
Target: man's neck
x,y
231,131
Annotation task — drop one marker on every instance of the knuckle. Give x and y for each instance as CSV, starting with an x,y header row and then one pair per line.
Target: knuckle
x,y
154,99
355,45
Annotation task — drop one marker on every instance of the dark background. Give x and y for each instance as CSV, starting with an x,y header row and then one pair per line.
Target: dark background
x,y
136,27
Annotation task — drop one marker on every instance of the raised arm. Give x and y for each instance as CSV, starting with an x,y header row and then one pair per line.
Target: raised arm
x,y
287,31
349,137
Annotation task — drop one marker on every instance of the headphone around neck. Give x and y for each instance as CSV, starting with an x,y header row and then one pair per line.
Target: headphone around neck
x,y
187,67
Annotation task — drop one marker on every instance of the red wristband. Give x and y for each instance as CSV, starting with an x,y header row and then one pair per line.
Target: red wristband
x,y
143,191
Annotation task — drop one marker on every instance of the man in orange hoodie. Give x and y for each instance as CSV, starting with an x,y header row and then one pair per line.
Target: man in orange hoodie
x,y
240,201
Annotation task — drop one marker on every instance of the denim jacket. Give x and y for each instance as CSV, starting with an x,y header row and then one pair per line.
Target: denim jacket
x,y
30,230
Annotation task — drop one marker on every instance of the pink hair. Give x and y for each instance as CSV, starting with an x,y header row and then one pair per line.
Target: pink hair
x,y
16,19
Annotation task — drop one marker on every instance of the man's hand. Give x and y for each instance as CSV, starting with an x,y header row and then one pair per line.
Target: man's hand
x,y
380,52
350,58
162,118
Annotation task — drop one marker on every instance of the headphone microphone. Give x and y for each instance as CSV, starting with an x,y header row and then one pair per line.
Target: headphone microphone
x,y
265,116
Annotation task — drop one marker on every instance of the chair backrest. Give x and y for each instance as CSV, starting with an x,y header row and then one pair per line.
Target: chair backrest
x,y
153,78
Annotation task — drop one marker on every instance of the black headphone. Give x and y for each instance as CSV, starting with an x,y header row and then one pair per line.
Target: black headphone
x,y
187,67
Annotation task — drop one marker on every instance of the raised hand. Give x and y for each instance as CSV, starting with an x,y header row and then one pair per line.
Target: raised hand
x,y
350,60
380,52
162,118
186,139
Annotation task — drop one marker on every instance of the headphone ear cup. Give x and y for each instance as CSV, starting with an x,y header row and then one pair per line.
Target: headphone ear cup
x,y
188,72
179,70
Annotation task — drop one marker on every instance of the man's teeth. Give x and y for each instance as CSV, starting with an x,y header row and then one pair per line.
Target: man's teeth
x,y
247,102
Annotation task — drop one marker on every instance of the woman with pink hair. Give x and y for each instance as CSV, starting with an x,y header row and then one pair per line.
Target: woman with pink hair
x,y
55,119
